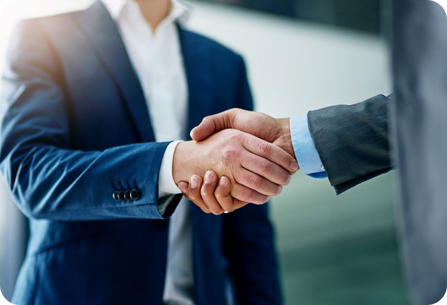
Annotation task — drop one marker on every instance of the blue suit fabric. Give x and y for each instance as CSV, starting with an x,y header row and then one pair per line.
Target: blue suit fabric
x,y
75,129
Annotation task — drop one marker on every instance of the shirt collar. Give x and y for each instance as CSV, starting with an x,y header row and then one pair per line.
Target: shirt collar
x,y
180,11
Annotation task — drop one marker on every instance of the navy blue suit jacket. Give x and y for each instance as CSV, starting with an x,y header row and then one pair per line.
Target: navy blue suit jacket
x,y
76,128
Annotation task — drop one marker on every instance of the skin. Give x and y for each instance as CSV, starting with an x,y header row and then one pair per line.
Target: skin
x,y
154,11
210,196
256,169
252,169
276,131
263,126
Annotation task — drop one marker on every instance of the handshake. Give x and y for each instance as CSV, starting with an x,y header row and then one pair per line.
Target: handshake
x,y
236,157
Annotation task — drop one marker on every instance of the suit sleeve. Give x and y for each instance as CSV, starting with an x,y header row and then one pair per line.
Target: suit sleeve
x,y
249,240
49,179
352,141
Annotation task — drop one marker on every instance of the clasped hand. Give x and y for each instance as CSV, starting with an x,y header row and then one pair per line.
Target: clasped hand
x,y
236,157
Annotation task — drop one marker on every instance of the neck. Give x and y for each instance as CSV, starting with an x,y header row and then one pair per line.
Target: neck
x,y
154,11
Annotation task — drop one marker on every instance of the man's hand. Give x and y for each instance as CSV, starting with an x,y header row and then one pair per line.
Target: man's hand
x,y
255,168
276,131
210,196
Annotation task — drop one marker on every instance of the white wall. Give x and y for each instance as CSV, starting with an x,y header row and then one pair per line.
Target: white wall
x,y
297,66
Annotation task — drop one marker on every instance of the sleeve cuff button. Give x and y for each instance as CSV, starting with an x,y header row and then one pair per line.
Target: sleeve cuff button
x,y
135,195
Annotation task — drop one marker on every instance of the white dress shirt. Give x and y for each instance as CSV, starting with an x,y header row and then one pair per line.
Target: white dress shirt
x,y
158,61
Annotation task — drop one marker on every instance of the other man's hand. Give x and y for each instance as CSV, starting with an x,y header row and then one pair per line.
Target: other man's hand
x,y
276,131
256,169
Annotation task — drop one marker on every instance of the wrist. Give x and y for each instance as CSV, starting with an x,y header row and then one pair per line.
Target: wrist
x,y
185,163
179,163
284,139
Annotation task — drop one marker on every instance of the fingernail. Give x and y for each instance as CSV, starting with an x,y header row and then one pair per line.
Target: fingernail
x,y
182,188
288,180
194,182
208,177
280,190
223,181
294,166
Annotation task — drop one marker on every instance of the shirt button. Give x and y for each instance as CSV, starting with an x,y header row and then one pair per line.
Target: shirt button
x,y
322,168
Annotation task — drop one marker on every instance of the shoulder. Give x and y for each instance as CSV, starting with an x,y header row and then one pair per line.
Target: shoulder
x,y
38,31
32,40
63,22
57,19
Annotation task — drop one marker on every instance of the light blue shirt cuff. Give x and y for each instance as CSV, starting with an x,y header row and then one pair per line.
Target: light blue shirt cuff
x,y
304,147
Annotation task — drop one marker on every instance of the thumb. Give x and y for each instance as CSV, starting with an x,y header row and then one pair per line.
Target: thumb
x,y
206,128
210,125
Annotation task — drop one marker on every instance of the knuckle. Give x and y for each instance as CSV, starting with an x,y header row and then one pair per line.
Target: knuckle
x,y
264,147
265,167
256,182
203,192
230,153
221,192
247,195
237,137
233,111
226,206
206,119
216,211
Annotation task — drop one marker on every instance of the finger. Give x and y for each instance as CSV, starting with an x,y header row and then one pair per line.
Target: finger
x,y
273,153
212,124
194,195
256,182
207,192
222,194
183,186
237,204
246,194
265,168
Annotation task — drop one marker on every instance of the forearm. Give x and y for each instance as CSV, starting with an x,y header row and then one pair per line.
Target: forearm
x,y
59,155
52,183
352,141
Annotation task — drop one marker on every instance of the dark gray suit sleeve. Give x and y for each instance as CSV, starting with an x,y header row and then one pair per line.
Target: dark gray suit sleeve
x,y
352,141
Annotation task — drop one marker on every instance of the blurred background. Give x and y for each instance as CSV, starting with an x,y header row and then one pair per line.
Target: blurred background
x,y
301,55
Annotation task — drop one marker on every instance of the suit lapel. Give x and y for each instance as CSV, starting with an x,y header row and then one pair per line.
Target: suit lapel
x,y
205,227
199,84
195,59
102,33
